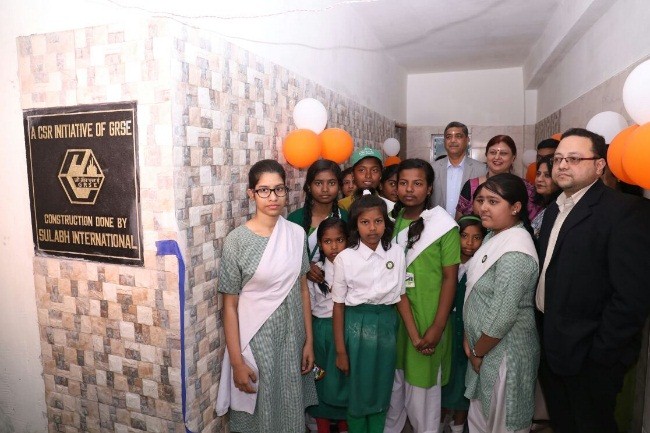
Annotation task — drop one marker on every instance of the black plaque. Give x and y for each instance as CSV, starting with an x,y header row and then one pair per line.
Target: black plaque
x,y
83,173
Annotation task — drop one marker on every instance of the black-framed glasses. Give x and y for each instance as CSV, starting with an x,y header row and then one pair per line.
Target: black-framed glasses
x,y
264,192
572,160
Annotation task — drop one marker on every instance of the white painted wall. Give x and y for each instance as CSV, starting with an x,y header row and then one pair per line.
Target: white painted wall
x,y
617,40
492,97
368,77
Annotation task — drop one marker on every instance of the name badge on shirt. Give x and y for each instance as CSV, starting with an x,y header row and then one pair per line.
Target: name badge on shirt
x,y
410,280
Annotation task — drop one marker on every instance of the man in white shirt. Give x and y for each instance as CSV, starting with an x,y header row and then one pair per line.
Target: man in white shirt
x,y
454,170
593,292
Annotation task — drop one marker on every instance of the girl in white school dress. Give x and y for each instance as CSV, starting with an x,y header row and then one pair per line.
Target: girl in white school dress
x,y
332,236
368,284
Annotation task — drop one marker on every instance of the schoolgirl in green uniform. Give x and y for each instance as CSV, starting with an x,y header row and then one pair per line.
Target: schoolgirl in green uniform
x,y
432,244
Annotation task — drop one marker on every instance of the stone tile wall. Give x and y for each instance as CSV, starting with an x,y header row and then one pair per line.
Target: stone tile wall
x,y
207,110
110,334
548,126
231,109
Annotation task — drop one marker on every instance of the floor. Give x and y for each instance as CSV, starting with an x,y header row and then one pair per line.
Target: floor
x,y
536,428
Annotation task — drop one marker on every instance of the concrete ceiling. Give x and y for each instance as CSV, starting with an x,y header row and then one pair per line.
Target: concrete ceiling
x,y
422,36
443,35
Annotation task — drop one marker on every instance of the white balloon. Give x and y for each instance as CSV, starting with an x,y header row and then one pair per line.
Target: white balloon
x,y
608,124
530,156
310,114
636,93
391,146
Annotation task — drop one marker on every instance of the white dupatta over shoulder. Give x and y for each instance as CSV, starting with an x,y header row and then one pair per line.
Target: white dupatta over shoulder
x,y
437,222
259,298
514,239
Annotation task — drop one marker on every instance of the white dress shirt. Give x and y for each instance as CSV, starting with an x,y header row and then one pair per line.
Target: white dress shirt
x,y
364,276
322,304
454,185
564,204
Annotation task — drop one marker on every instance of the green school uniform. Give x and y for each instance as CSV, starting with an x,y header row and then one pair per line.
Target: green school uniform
x,y
422,370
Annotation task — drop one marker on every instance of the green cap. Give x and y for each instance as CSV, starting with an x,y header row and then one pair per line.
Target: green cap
x,y
365,153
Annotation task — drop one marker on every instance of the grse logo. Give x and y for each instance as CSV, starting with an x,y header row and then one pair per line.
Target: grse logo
x,y
81,176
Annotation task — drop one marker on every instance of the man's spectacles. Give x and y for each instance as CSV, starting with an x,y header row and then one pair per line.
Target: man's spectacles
x,y
572,160
264,192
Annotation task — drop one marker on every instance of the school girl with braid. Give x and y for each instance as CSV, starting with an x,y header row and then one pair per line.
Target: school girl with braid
x,y
432,243
368,292
321,188
332,236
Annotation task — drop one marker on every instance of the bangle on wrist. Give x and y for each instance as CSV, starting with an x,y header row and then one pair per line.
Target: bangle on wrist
x,y
475,355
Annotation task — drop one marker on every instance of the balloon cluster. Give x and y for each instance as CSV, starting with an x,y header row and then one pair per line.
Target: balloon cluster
x,y
303,146
628,155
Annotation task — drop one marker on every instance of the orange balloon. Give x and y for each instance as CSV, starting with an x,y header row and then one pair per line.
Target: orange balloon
x,y
615,153
301,148
531,172
392,160
636,156
557,136
337,145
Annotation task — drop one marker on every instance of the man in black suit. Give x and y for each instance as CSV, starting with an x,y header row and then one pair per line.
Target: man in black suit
x,y
594,288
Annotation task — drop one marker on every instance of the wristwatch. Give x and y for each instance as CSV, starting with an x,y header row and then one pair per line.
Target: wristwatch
x,y
475,355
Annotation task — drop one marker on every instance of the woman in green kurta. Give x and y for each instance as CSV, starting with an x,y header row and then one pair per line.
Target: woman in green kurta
x,y
282,346
422,369
501,338
431,240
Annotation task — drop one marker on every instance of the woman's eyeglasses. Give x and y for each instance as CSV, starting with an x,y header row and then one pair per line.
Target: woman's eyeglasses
x,y
264,192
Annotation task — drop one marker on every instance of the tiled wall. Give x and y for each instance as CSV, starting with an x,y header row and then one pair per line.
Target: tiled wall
x,y
207,110
231,109
110,334
548,126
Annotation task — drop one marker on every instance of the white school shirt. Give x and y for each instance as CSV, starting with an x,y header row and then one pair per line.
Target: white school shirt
x,y
364,276
322,305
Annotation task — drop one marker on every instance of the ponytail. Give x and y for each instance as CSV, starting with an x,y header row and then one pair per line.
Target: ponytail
x,y
306,215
